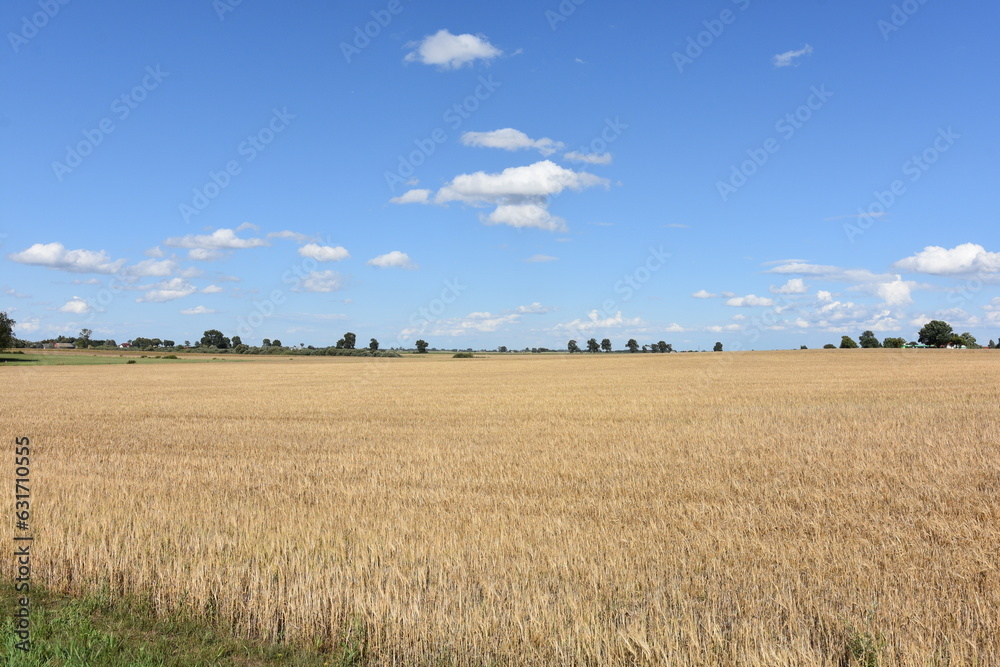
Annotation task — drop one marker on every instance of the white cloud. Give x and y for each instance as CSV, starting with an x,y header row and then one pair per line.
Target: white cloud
x,y
418,196
535,308
14,293
704,294
75,305
541,258
168,290
55,256
26,326
788,57
541,179
739,317
824,296
450,51
594,321
205,254
895,293
749,300
510,139
324,253
322,281
248,225
392,260
153,268
291,236
198,310
220,239
793,286
155,251
589,158
965,258
526,215
484,322
521,194
212,289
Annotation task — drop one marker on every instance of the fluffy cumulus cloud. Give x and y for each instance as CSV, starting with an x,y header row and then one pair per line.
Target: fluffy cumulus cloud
x,y
511,140
418,196
76,305
198,310
965,258
56,256
895,293
322,281
594,321
288,235
749,300
793,286
324,253
483,322
27,325
449,51
588,158
789,57
392,260
211,289
704,294
535,308
153,268
205,254
168,290
824,296
220,239
520,194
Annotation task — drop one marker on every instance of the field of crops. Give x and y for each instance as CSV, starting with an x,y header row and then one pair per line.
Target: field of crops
x,y
781,508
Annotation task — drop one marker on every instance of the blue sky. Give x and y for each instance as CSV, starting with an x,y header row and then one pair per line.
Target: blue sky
x,y
500,173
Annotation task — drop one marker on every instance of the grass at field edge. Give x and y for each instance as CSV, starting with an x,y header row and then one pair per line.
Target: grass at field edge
x,y
89,630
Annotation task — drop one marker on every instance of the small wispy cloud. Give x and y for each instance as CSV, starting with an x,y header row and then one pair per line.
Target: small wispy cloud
x,y
788,58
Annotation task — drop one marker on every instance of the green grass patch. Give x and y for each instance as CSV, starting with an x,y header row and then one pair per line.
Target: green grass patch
x,y
91,631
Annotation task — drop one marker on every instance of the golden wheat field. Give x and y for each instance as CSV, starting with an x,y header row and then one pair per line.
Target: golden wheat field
x,y
779,508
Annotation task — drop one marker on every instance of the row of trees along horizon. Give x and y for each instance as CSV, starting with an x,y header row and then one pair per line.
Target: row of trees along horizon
x,y
935,333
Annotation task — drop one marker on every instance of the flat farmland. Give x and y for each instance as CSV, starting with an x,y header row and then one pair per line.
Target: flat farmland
x,y
777,508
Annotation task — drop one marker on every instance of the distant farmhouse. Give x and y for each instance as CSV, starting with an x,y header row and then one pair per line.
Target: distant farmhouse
x,y
58,346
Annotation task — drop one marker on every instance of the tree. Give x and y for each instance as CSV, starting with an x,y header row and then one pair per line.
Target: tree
x,y
868,339
276,343
6,331
894,343
349,340
632,345
421,346
236,341
717,348
935,333
373,345
847,343
572,347
992,344
829,346
665,347
606,344
592,345
969,341
170,343
266,342
803,347
187,343
214,337
84,339
502,348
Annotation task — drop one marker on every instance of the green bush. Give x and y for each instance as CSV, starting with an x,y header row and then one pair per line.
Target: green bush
x,y
130,361
170,356
463,355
